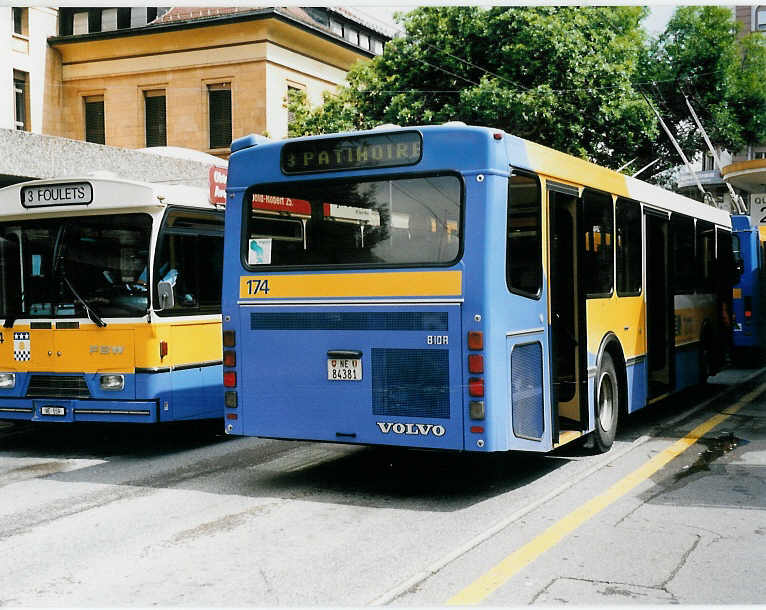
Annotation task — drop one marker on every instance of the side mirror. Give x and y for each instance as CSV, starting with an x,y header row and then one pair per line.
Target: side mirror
x,y
165,295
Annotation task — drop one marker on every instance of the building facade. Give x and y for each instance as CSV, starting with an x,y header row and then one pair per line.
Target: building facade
x,y
114,79
197,78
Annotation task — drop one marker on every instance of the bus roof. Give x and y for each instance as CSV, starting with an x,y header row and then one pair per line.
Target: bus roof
x,y
520,153
84,195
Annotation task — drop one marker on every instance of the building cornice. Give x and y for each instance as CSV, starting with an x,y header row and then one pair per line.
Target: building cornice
x,y
254,15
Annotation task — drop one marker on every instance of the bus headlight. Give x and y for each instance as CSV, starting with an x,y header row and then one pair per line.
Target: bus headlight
x,y
112,382
7,381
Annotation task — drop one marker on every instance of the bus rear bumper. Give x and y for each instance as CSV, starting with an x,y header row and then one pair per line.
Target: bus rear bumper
x,y
74,410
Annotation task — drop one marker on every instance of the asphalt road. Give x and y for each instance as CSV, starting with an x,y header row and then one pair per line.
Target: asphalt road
x,y
184,516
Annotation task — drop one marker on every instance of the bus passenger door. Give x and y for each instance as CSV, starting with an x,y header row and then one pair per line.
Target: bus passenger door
x,y
659,305
567,315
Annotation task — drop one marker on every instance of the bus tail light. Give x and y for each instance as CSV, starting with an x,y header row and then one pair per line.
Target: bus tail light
x,y
748,306
229,338
475,339
477,429
229,358
230,379
476,386
163,349
475,363
231,416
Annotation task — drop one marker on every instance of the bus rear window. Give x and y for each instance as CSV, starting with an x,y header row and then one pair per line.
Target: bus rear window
x,y
412,221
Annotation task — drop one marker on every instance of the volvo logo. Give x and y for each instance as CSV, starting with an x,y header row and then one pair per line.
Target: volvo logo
x,y
387,427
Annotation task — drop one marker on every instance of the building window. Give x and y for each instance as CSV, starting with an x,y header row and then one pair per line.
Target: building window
x,y
21,21
291,90
708,163
123,18
364,41
351,35
94,119
219,110
21,99
80,23
377,46
155,118
336,27
760,18
759,154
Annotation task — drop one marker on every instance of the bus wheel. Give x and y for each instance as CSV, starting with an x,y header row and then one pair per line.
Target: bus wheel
x,y
607,405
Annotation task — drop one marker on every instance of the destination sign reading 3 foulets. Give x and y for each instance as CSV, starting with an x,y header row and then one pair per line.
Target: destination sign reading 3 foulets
x,y
69,193
353,152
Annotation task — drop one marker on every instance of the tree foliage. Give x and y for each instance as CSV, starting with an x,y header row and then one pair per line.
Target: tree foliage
x,y
701,56
569,77
558,75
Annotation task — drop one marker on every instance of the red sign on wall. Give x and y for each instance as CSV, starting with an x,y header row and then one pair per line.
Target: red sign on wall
x,y
217,181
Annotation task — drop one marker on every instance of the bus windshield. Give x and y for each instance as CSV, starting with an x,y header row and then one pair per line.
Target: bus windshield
x,y
65,263
408,221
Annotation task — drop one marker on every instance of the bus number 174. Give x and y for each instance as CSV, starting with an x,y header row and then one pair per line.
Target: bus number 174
x,y
256,286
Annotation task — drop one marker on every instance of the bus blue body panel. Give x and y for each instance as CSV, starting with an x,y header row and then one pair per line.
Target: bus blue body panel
x,y
295,398
146,397
746,303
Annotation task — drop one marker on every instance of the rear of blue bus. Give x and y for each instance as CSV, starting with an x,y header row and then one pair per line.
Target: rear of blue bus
x,y
347,309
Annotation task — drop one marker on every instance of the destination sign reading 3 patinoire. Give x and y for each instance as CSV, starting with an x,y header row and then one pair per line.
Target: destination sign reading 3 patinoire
x,y
68,193
351,152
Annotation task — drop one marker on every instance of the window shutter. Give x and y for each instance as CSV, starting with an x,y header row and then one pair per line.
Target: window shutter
x,y
156,131
219,102
94,120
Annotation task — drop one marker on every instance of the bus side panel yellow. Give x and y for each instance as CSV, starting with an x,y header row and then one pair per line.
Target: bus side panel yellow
x,y
624,316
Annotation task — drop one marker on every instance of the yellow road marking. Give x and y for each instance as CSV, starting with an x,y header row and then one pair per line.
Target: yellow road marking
x,y
488,583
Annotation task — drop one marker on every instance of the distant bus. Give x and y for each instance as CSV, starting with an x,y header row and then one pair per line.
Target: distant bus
x,y
110,299
749,326
455,287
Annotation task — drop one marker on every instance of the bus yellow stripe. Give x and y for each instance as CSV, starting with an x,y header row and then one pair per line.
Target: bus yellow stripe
x,y
383,284
496,577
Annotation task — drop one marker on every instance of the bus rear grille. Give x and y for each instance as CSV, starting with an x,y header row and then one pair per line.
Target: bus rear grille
x,y
410,382
58,386
527,390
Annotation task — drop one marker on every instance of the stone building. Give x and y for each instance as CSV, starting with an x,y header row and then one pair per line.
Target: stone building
x,y
179,77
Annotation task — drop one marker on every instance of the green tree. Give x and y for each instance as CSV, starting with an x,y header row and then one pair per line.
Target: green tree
x,y
561,76
700,55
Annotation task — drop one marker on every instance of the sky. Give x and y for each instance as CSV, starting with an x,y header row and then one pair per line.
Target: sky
x,y
654,23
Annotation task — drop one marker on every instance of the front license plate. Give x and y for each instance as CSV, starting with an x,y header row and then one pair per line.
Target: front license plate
x,y
53,411
344,369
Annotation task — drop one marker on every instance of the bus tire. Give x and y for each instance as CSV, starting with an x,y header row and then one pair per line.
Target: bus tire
x,y
607,406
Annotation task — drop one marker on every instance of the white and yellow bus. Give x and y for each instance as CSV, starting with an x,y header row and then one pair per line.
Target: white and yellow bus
x,y
110,300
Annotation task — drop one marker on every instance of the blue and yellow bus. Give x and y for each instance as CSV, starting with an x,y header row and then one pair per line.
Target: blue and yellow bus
x,y
456,287
110,297
749,326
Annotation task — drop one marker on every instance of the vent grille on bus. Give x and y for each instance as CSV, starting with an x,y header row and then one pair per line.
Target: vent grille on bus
x,y
410,382
360,320
527,390
57,386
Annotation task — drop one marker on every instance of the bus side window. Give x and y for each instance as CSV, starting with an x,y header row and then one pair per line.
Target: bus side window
x,y
524,264
190,257
598,262
629,248
682,228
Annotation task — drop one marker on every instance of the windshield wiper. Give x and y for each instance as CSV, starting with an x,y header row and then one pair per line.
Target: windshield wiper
x,y
59,266
95,318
